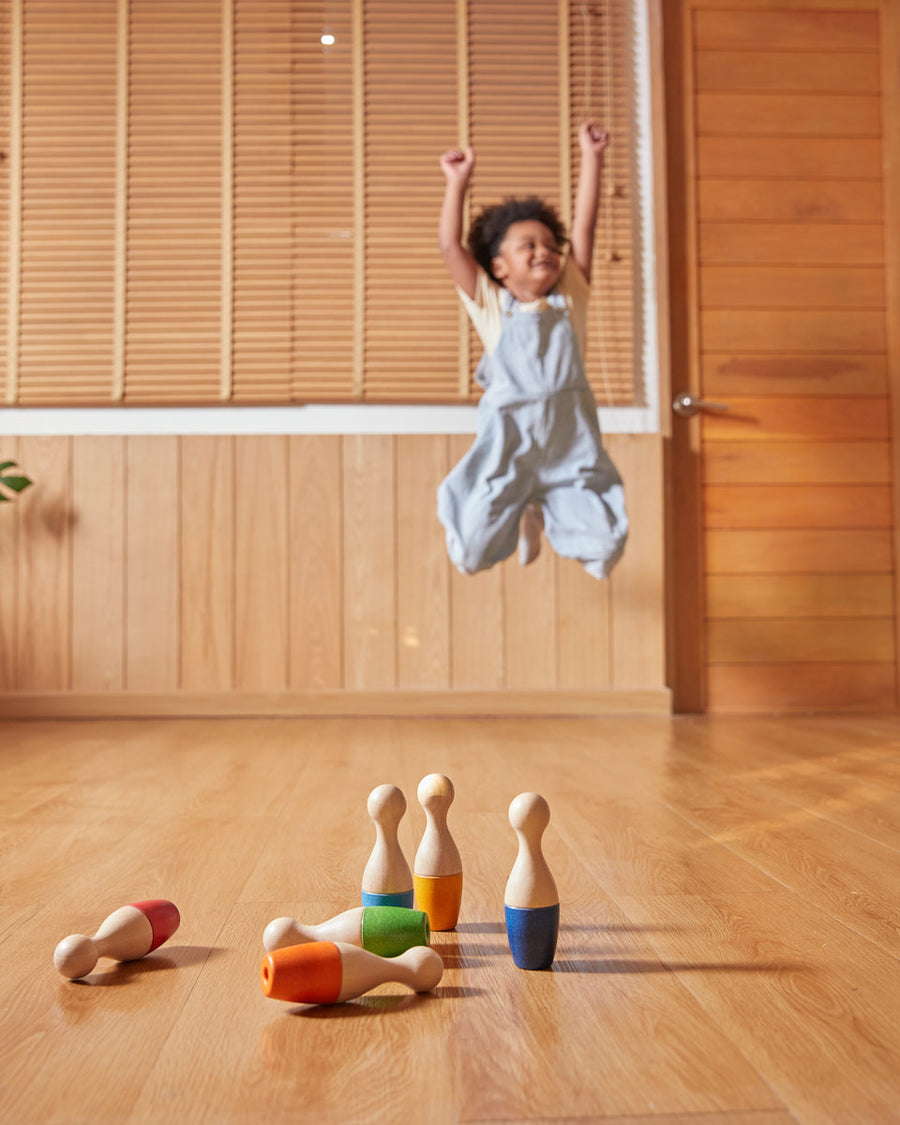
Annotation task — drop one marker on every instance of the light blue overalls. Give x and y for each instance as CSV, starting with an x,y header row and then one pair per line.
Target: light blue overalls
x,y
537,439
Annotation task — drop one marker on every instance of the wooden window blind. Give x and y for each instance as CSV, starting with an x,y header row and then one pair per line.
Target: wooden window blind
x,y
237,200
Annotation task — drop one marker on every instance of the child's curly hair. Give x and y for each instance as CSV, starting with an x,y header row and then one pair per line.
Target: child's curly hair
x,y
490,227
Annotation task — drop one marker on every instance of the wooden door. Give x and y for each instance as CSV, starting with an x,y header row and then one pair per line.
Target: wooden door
x,y
782,125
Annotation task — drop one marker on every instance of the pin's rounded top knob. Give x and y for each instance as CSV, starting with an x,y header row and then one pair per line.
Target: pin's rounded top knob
x,y
386,803
435,790
529,813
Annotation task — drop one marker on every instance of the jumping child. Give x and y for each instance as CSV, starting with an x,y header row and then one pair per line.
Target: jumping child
x,y
537,459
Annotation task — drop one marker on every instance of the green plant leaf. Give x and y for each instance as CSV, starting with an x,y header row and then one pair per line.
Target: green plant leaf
x,y
17,484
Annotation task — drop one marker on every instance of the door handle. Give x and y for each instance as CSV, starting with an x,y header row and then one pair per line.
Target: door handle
x,y
687,405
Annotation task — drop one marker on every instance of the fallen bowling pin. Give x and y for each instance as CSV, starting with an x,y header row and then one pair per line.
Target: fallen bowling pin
x,y
128,933
437,868
327,972
531,899
387,879
385,930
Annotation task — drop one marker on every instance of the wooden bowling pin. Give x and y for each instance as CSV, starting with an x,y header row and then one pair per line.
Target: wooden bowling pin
x,y
385,930
437,868
327,972
387,879
531,899
128,933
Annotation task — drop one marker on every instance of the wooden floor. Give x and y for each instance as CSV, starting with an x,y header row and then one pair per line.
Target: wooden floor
x,y
729,937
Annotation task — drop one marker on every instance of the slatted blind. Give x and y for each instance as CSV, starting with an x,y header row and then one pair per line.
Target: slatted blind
x,y
174,201
67,217
5,143
237,200
264,172
601,40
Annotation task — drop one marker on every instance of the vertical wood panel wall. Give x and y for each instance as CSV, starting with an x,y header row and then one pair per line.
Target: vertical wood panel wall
x,y
227,573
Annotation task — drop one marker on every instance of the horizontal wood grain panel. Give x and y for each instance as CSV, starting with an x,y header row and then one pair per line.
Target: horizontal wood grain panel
x,y
800,506
783,288
780,71
788,158
799,551
787,29
806,201
790,418
808,687
862,462
788,114
869,640
799,595
850,244
814,330
726,373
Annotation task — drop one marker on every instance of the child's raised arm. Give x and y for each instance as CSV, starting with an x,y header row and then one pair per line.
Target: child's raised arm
x,y
457,168
593,142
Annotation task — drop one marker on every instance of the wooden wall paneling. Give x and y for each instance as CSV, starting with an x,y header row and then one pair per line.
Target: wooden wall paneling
x,y
583,628
530,619
776,687
636,586
807,506
9,536
423,578
477,615
890,34
819,462
261,565
862,640
776,375
98,564
370,563
316,563
153,563
848,201
207,617
788,29
799,551
46,520
753,418
763,158
799,595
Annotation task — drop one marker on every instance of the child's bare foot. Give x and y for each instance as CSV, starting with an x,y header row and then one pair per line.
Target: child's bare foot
x,y
530,527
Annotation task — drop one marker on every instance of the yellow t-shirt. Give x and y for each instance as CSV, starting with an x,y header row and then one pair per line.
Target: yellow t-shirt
x,y
485,310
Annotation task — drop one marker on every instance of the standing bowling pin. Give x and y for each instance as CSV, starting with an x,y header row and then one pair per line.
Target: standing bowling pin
x,y
531,899
387,879
385,930
437,868
327,972
128,933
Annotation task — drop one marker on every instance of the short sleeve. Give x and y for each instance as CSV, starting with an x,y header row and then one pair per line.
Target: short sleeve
x,y
484,309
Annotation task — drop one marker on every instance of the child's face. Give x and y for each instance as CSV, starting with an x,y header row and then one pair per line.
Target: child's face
x,y
529,261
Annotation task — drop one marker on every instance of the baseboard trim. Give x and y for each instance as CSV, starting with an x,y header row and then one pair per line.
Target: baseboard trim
x,y
413,704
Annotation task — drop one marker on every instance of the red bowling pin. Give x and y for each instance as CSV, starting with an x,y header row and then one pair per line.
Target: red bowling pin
x,y
128,933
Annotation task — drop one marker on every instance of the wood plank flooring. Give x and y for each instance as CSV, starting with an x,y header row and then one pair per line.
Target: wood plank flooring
x,y
730,927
